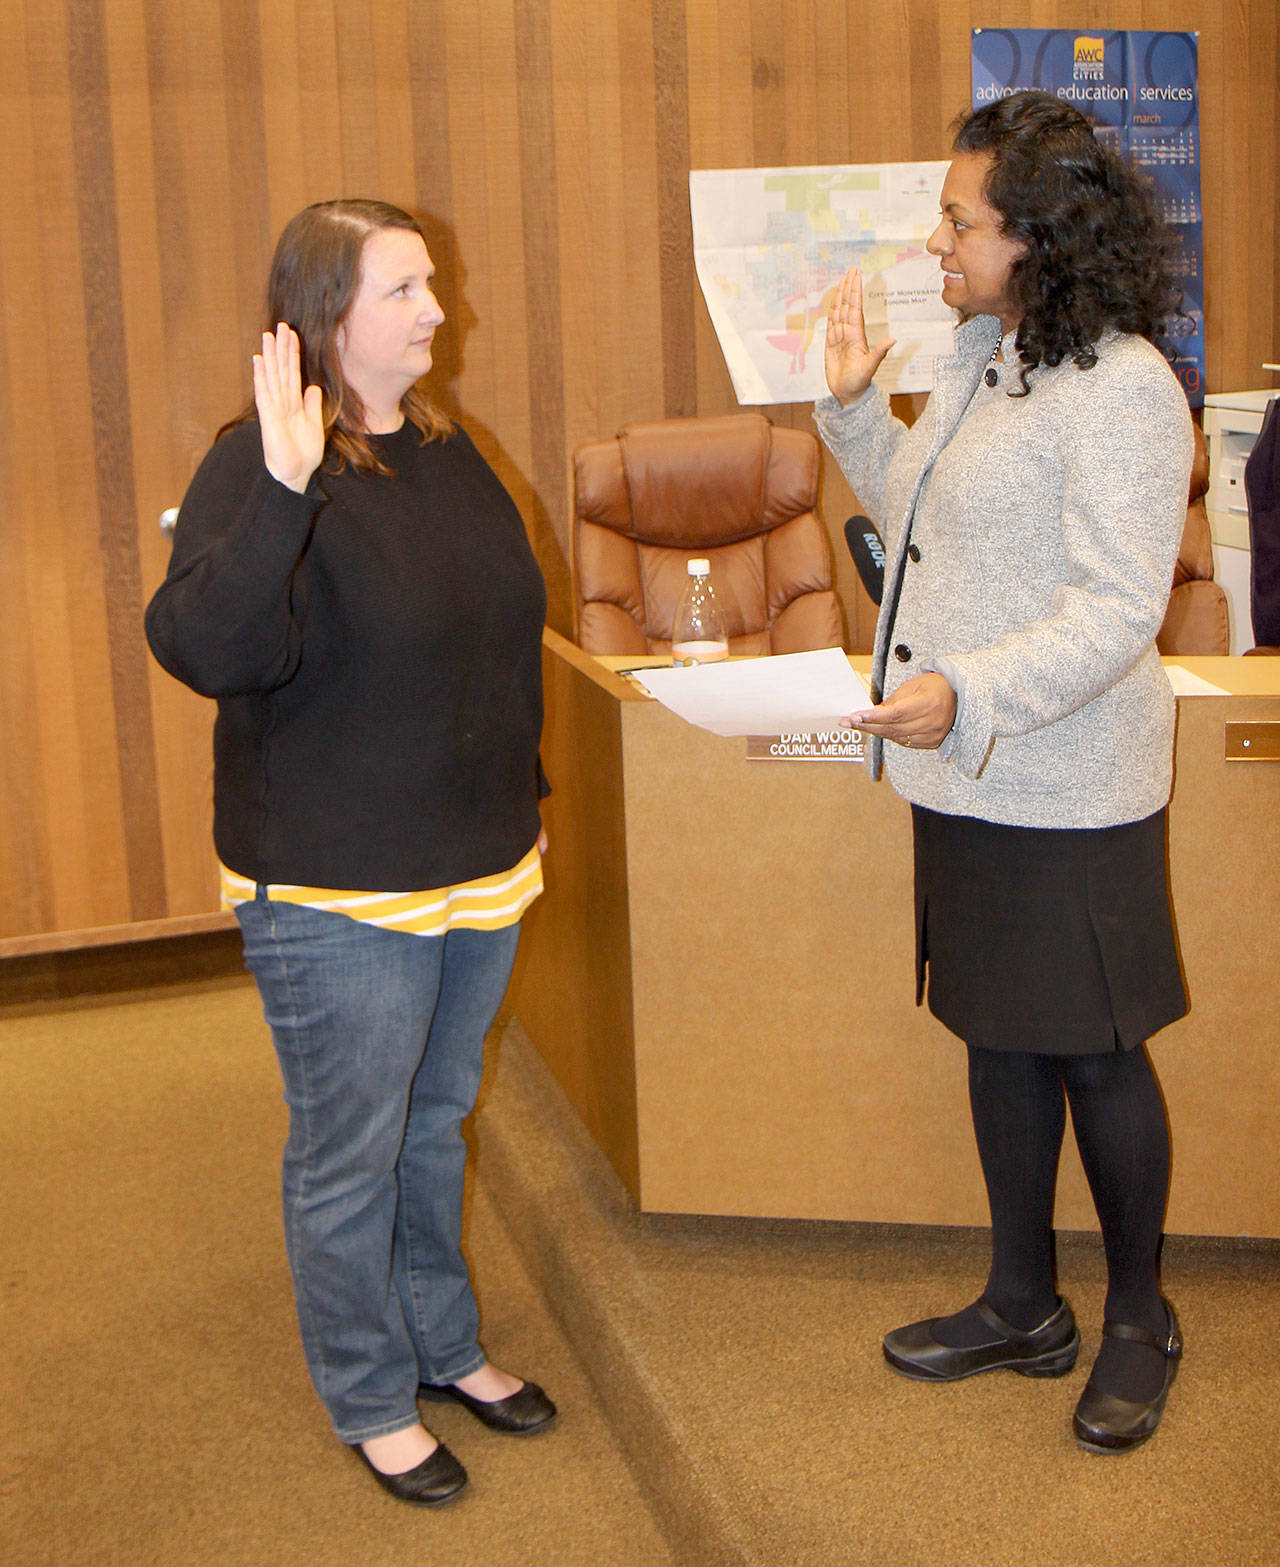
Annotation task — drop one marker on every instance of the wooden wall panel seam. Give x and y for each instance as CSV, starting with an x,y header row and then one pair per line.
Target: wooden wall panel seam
x,y
675,223
539,206
113,461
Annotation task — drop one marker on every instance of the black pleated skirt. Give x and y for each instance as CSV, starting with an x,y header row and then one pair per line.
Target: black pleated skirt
x,y
1057,941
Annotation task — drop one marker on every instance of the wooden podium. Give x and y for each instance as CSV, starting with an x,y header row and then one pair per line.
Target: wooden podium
x,y
757,1051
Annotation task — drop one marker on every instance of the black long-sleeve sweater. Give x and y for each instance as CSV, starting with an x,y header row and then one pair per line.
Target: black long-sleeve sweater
x,y
375,650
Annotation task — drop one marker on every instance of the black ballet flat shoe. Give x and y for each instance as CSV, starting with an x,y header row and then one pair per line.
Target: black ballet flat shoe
x,y
1106,1424
521,1413
435,1480
1047,1351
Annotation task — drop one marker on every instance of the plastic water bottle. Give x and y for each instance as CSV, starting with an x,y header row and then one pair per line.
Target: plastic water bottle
x,y
697,632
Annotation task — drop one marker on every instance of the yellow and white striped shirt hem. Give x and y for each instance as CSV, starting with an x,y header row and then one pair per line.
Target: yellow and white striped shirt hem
x,y
487,903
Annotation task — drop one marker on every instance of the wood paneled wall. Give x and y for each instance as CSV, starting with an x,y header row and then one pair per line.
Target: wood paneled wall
x,y
154,148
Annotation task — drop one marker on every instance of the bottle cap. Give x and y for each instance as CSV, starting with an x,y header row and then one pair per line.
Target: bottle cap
x,y
699,568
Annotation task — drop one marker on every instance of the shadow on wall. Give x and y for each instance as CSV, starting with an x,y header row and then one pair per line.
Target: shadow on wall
x,y
449,354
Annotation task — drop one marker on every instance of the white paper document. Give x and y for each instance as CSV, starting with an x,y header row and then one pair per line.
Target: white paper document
x,y
1184,683
770,246
790,693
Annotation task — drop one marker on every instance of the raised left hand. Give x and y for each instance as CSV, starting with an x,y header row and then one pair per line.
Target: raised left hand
x,y
918,715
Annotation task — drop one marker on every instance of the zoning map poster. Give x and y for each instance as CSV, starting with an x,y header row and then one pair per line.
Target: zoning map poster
x,y
770,245
1141,91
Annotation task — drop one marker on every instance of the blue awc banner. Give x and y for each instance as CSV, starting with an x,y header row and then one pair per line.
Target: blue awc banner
x,y
1141,91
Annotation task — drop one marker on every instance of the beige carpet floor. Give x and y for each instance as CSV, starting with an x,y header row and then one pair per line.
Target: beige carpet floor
x,y
156,1409
747,1355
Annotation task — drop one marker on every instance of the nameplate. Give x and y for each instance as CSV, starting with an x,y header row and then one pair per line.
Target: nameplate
x,y
836,745
1253,742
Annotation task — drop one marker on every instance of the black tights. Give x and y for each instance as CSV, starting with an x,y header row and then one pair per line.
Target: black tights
x,y
1018,1117
1123,1138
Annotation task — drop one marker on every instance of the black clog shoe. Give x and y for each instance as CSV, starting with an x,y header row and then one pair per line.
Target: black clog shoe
x,y
1106,1424
1047,1351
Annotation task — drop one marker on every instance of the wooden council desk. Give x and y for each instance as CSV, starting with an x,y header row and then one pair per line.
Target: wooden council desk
x,y
754,1048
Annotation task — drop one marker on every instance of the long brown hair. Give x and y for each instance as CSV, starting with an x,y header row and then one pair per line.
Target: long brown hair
x,y
315,274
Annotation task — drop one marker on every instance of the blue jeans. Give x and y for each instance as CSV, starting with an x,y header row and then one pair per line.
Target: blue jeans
x,y
379,1036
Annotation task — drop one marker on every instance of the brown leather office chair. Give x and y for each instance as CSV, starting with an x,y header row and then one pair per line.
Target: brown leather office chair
x,y
734,488
1196,621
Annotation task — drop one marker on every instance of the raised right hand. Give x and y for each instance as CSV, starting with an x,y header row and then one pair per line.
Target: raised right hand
x,y
850,364
292,421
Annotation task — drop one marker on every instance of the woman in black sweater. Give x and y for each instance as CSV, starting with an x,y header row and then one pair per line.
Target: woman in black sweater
x,y
354,586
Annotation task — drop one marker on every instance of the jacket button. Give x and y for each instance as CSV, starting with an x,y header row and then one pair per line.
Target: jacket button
x,y
902,653
913,550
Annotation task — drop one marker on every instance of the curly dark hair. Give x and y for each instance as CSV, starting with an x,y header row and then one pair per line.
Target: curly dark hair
x,y
1099,253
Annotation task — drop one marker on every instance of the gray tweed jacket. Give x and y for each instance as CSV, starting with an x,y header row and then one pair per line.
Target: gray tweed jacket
x,y
1043,533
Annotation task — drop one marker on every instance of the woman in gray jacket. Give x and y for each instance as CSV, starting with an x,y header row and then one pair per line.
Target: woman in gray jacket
x,y
1032,516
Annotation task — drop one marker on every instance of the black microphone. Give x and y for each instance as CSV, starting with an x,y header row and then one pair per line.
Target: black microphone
x,y
868,554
